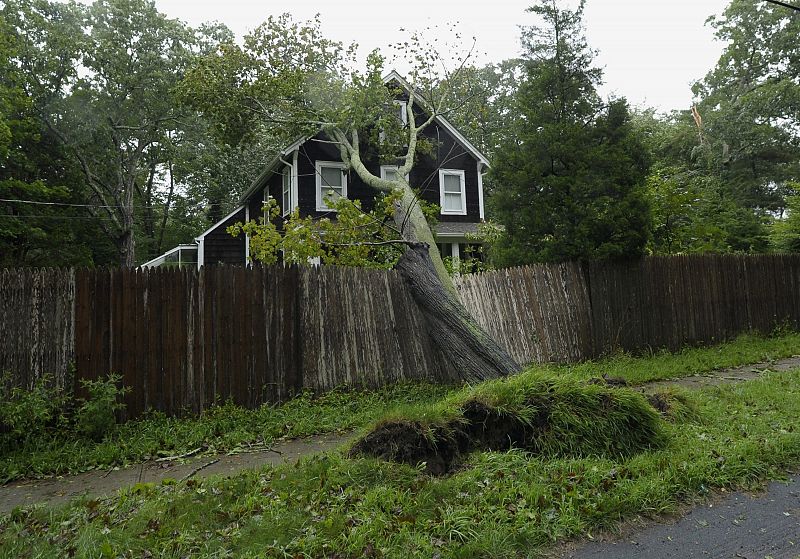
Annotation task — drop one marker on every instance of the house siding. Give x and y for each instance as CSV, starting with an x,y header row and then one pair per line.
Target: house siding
x,y
219,247
447,154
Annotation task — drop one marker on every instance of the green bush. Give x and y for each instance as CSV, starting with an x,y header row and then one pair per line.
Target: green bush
x,y
96,416
29,414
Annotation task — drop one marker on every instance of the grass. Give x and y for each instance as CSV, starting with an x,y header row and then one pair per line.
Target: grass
x,y
663,365
227,427
546,414
220,429
502,504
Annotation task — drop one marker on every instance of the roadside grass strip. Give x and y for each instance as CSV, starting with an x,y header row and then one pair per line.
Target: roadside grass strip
x,y
223,428
499,503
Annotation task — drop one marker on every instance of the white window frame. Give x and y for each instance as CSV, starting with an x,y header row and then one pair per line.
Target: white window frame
x,y
394,168
321,206
460,174
403,111
286,191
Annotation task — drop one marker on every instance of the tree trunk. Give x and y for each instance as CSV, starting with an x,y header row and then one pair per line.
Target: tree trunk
x,y
473,354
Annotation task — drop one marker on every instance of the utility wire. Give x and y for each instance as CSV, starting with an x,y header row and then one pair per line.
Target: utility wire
x,y
104,218
784,4
58,204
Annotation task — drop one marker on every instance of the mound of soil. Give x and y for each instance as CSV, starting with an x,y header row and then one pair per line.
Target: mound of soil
x,y
553,419
411,443
442,448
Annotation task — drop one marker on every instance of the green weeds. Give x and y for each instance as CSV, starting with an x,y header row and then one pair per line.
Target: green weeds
x,y
45,445
662,365
501,504
56,451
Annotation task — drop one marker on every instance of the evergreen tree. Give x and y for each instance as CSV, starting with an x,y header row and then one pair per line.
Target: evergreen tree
x,y
570,183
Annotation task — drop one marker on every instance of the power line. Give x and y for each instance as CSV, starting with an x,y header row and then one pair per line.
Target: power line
x,y
784,4
62,204
104,218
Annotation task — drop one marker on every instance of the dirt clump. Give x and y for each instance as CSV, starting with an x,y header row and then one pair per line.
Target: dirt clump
x,y
660,402
409,442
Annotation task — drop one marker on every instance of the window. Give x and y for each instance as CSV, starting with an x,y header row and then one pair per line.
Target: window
x,y
286,189
331,183
402,111
389,172
452,197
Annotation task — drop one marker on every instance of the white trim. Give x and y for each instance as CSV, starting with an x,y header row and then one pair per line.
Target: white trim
x,y
460,174
201,252
295,179
223,220
321,206
261,178
151,263
385,168
403,110
246,237
480,192
393,75
287,174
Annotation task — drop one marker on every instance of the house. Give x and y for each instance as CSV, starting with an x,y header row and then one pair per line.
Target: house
x,y
303,174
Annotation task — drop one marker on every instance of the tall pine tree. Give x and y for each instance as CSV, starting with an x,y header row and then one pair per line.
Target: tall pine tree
x,y
570,183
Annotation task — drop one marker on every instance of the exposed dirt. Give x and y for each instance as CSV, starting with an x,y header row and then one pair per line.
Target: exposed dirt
x,y
96,483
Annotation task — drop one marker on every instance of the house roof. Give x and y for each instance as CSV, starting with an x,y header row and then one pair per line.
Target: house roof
x,y
273,163
451,229
466,144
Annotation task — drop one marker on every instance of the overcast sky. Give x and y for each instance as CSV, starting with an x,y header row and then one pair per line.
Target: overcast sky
x,y
651,51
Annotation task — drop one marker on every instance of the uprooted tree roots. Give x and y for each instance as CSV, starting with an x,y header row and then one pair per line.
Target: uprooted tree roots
x,y
553,418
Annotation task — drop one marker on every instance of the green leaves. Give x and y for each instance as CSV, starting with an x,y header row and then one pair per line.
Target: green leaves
x,y
354,238
569,181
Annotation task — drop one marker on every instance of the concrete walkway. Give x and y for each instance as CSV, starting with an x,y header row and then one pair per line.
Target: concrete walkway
x,y
55,491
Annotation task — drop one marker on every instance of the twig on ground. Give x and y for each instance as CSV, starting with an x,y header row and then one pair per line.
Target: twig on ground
x,y
193,472
184,455
253,450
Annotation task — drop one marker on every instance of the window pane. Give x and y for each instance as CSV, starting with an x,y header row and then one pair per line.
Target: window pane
x,y
331,176
390,174
452,202
452,183
330,195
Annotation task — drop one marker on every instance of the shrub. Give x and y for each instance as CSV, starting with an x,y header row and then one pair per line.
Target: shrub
x,y
27,414
96,416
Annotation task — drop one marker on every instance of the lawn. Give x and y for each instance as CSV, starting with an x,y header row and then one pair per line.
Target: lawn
x,y
500,503
227,427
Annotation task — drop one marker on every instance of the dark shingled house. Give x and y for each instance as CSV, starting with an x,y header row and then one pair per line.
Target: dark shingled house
x,y
302,175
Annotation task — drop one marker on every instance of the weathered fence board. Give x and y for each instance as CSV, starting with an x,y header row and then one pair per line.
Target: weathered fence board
x,y
37,325
656,302
183,340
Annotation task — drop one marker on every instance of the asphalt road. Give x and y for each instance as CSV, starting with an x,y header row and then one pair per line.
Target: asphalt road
x,y
762,526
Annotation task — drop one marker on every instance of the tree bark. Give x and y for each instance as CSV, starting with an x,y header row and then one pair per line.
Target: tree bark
x,y
474,355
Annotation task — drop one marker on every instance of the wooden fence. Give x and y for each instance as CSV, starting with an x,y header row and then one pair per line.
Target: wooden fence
x,y
183,339
567,312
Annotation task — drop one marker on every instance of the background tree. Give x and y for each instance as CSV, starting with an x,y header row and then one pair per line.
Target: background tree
x,y
41,220
750,110
570,181
117,119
